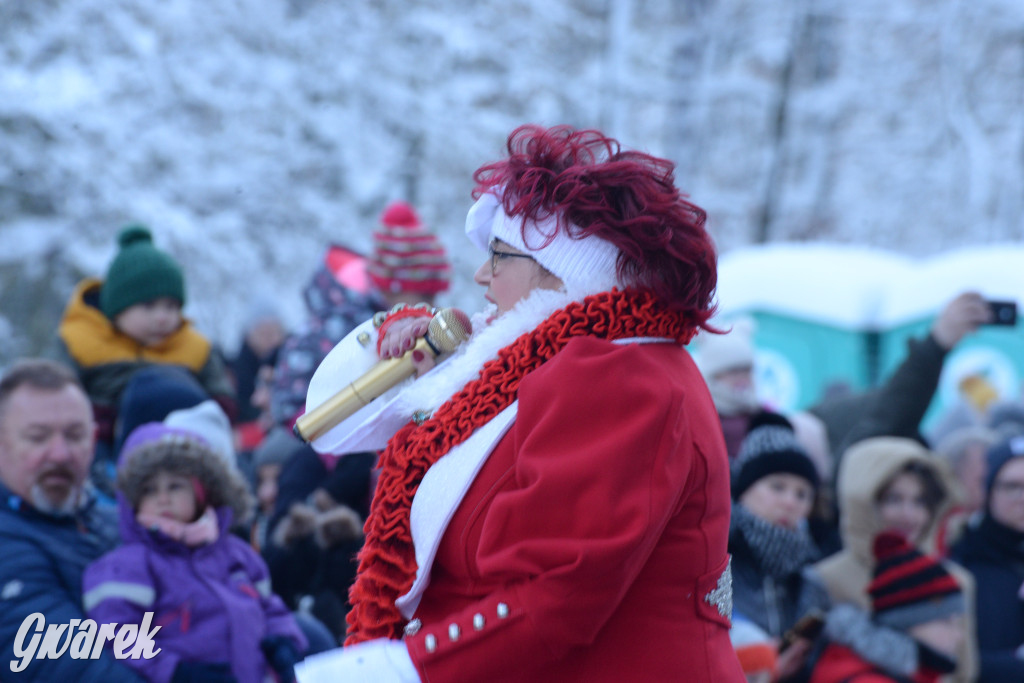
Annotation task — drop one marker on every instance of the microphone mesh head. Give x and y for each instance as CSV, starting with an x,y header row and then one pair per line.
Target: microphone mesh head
x,y
449,328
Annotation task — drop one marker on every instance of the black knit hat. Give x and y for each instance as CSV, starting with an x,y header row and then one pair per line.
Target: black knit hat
x,y
770,448
909,587
139,273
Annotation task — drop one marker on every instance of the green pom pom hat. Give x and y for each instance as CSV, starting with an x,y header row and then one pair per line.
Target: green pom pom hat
x,y
139,273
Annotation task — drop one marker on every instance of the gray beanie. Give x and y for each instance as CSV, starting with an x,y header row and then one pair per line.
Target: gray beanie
x,y
277,447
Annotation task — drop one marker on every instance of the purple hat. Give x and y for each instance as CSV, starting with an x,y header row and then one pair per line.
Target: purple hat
x,y
153,432
155,446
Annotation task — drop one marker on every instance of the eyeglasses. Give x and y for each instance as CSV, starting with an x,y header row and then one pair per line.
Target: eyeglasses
x,y
499,255
1010,489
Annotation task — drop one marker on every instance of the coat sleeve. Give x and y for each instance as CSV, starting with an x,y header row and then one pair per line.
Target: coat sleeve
x,y
603,455
280,621
118,589
29,585
896,407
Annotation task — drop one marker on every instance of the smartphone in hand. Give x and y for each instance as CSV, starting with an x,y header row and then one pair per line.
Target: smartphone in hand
x,y
809,627
1004,313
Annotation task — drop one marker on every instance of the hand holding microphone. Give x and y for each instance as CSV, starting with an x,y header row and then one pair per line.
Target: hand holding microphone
x,y
447,329
401,335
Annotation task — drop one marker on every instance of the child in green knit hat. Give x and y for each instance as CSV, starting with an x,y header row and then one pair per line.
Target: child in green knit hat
x,y
132,319
142,279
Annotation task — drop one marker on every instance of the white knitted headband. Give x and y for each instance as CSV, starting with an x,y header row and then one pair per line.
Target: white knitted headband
x,y
586,266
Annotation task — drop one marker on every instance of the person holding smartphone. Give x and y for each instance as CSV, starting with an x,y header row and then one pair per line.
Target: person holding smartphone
x,y
773,487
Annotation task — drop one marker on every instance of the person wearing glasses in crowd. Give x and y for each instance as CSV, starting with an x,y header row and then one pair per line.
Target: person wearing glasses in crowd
x,y
992,549
553,504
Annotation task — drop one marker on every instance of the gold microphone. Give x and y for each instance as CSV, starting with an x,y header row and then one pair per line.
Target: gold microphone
x,y
448,328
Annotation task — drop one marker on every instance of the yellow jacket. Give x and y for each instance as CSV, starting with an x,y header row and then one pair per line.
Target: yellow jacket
x,y
106,358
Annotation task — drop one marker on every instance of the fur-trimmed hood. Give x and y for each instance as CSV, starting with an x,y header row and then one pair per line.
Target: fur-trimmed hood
x,y
865,468
154,447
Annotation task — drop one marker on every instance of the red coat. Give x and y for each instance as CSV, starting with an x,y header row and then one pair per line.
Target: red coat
x,y
592,541
841,665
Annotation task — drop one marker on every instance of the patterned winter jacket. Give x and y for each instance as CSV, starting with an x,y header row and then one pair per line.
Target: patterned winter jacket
x,y
334,311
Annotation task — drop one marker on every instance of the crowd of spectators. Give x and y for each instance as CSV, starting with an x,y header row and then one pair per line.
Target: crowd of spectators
x,y
147,471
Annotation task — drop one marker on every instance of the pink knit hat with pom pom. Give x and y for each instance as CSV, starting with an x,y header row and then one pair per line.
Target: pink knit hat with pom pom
x,y
407,257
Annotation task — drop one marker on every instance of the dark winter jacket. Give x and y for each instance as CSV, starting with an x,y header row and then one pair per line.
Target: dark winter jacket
x,y
994,554
773,603
43,558
245,369
303,563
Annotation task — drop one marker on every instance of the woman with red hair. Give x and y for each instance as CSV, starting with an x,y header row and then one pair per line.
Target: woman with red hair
x,y
553,502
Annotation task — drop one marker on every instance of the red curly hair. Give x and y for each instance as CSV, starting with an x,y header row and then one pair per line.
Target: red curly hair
x,y
625,197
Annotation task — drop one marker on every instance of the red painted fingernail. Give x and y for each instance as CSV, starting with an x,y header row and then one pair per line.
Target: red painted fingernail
x,y
417,355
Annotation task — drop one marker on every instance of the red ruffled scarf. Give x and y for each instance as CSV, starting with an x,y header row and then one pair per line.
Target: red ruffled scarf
x,y
387,562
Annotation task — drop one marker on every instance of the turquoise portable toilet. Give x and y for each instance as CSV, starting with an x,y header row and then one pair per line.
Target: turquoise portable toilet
x,y
814,307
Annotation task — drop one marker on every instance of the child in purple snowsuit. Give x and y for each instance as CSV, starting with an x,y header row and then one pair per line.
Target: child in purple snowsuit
x,y
208,591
